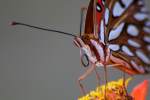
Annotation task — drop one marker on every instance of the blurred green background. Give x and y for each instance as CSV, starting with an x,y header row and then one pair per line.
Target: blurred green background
x,y
38,65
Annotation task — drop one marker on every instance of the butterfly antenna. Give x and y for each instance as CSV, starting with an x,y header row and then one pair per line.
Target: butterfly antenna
x,y
40,28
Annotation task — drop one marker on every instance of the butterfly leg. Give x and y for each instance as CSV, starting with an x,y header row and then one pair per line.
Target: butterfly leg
x,y
105,70
97,77
113,65
82,77
106,81
124,84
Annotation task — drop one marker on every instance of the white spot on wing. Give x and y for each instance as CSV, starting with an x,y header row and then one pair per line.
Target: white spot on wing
x,y
98,8
127,3
139,68
114,33
103,1
102,38
144,9
140,16
141,2
143,57
118,10
148,47
147,39
114,47
147,23
133,43
147,29
106,16
133,30
126,50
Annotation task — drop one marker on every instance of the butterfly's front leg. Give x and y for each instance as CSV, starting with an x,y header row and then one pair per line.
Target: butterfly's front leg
x,y
90,69
97,77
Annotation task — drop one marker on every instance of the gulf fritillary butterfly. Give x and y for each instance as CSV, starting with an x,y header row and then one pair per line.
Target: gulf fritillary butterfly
x,y
121,36
117,33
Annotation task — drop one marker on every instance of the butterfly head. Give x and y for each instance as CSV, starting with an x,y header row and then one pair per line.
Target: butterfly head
x,y
84,44
81,43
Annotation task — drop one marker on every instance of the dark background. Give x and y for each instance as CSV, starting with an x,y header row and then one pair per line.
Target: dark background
x,y
38,65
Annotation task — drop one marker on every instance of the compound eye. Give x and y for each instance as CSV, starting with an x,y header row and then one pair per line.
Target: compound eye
x,y
85,60
98,7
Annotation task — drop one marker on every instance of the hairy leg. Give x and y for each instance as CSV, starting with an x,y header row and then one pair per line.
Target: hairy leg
x,y
82,77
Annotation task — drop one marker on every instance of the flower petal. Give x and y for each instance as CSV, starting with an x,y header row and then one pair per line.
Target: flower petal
x,y
140,91
114,90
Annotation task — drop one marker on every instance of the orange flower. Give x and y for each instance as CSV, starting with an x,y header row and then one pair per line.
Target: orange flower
x,y
140,91
116,91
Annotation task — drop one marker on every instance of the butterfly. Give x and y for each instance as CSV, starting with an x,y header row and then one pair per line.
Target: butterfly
x,y
116,33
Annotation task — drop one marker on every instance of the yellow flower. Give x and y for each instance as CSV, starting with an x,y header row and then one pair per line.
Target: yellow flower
x,y
114,90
